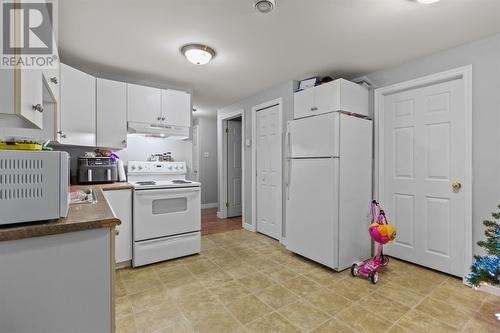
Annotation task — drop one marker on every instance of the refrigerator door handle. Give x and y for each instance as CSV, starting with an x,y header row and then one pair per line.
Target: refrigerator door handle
x,y
288,165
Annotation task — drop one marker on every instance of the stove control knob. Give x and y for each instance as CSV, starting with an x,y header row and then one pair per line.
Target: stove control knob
x,y
133,167
176,167
140,167
169,167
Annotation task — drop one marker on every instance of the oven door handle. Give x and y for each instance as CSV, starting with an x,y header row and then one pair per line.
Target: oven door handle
x,y
167,191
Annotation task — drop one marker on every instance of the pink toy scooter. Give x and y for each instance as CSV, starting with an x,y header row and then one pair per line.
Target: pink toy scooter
x,y
381,232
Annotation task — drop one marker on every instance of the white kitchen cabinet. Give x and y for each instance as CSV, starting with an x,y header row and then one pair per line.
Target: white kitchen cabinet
x,y
144,104
176,108
337,95
21,98
50,121
111,114
78,107
121,203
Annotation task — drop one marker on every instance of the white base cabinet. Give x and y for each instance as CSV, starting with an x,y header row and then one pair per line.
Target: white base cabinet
x,y
337,95
58,283
121,203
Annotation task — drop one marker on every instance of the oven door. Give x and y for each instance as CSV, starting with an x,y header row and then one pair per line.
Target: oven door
x,y
166,212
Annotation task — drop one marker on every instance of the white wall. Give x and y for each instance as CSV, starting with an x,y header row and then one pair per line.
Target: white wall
x,y
484,55
285,91
207,135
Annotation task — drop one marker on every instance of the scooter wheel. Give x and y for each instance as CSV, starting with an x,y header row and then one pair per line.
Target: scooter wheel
x,y
354,270
374,277
385,260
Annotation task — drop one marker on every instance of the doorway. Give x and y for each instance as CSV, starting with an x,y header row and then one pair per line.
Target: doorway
x,y
267,178
423,148
234,181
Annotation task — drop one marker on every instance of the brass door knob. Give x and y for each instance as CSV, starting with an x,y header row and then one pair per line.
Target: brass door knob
x,y
456,186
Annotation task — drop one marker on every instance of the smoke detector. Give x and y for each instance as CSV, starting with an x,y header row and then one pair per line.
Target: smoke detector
x,y
264,6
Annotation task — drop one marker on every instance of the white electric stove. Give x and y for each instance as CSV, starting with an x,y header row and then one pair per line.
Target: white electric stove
x,y
166,212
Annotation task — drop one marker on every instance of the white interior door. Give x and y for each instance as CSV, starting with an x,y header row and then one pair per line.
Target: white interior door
x,y
196,153
269,172
423,152
234,202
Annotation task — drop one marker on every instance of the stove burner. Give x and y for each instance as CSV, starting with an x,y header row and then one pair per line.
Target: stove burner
x,y
146,183
180,181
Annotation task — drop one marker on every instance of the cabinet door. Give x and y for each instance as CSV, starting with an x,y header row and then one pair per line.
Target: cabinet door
x,y
111,114
121,203
303,103
144,104
327,97
176,108
78,116
30,94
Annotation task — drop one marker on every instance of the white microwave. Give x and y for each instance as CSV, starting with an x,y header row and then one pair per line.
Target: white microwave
x,y
34,185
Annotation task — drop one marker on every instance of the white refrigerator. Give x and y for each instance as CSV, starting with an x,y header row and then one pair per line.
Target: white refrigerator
x,y
328,188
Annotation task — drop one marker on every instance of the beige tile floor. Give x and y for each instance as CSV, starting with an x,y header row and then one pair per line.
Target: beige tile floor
x,y
246,282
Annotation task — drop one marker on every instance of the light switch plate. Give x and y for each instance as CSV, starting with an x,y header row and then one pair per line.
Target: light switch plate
x,y
248,143
206,154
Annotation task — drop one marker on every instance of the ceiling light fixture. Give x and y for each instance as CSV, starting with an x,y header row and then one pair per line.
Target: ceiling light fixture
x,y
198,54
264,6
427,2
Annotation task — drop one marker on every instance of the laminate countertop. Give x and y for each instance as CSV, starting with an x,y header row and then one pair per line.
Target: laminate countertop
x,y
80,217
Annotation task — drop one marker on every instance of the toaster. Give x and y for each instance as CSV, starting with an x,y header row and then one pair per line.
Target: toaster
x,y
95,170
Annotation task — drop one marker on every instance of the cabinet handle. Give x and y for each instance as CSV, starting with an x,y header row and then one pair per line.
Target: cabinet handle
x,y
124,141
117,232
62,135
53,80
162,118
314,108
159,118
37,107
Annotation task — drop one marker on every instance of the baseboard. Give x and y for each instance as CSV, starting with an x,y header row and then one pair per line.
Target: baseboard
x,y
493,290
210,205
248,227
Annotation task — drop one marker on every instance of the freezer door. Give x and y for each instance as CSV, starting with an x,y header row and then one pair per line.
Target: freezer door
x,y
316,136
312,209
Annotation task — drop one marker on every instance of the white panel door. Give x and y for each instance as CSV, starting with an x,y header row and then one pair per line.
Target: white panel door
x,y
269,171
424,153
111,114
234,179
143,104
176,108
78,109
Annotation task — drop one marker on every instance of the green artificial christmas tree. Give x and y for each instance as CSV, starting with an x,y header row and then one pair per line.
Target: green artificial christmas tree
x,y
486,269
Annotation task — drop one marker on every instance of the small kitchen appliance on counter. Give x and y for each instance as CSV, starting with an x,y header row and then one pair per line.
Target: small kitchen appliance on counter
x,y
95,170
34,185
167,212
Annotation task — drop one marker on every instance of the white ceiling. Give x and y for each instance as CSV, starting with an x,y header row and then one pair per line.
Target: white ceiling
x,y
140,39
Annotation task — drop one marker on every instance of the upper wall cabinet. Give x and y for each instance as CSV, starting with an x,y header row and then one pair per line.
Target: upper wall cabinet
x,y
176,108
156,106
78,107
338,95
21,101
144,104
111,114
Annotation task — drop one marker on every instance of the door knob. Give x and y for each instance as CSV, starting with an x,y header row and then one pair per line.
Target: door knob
x,y
456,186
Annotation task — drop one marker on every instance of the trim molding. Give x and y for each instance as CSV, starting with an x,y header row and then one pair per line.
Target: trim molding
x,y
210,205
464,73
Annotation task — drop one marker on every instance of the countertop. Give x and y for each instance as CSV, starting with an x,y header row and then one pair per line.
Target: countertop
x,y
80,217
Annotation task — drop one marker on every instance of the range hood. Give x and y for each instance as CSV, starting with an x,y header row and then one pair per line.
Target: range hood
x,y
159,130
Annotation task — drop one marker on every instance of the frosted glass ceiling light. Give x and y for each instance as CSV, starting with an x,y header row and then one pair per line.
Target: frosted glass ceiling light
x,y
198,54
